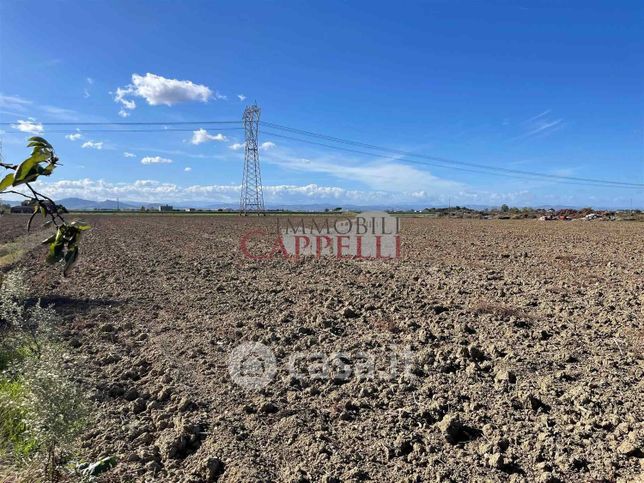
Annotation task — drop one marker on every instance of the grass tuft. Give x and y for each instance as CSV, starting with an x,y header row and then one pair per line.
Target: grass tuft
x,y
10,253
13,413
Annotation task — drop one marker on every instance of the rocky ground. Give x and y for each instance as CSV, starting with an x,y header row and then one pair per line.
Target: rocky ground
x,y
525,341
12,226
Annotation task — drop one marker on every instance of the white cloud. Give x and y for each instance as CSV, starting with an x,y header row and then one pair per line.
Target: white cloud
x,y
242,97
19,107
86,92
540,125
386,174
61,113
161,192
127,103
544,127
265,146
154,191
187,169
158,90
178,152
93,145
129,155
14,102
534,118
29,126
123,113
155,160
201,136
74,136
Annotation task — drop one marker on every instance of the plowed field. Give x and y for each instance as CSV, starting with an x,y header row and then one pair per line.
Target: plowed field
x,y
520,345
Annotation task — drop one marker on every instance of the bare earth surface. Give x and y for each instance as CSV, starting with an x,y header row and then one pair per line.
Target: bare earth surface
x,y
526,341
12,226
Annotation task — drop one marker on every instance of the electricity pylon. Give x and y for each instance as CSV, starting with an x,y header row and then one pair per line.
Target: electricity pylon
x,y
252,195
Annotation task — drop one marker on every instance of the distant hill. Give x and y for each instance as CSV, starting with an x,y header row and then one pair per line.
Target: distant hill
x,y
81,204
89,205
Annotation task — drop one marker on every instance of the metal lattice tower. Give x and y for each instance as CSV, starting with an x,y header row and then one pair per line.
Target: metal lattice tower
x,y
252,195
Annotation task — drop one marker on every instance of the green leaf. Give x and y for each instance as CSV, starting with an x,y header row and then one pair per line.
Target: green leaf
x,y
31,176
95,469
72,239
39,140
48,169
39,145
81,225
70,259
49,240
59,234
55,253
6,182
56,247
68,232
26,168
31,219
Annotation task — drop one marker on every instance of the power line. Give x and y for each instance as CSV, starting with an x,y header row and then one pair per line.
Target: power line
x,y
449,162
126,123
82,131
435,160
595,183
422,163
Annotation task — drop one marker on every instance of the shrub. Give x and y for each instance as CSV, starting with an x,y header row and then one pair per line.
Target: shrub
x,y
41,410
13,431
57,410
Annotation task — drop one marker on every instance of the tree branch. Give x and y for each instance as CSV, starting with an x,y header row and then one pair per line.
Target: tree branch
x,y
53,214
16,193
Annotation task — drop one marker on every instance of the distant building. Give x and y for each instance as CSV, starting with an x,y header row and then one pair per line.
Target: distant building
x,y
22,209
165,208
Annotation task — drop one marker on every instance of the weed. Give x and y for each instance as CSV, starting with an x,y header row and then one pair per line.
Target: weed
x,y
13,413
57,409
41,411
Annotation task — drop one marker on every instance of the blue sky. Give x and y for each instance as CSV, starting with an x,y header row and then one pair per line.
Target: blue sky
x,y
549,87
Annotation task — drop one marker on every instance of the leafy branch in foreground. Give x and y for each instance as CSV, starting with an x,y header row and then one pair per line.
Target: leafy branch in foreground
x,y
63,245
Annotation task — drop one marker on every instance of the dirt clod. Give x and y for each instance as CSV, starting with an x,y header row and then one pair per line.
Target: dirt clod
x,y
496,460
213,469
452,429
